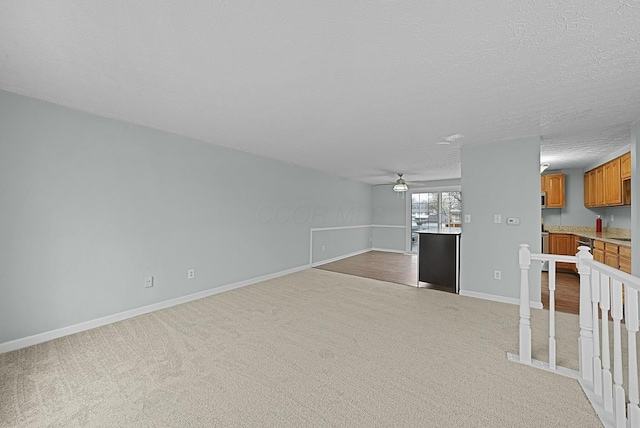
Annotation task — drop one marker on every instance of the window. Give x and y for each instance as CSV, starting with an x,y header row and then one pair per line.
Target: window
x,y
436,212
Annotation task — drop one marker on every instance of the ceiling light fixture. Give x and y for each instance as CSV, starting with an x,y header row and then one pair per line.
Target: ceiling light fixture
x,y
543,167
443,143
401,185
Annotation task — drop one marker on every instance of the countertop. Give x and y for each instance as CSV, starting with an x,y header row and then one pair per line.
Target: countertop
x,y
610,239
429,232
611,235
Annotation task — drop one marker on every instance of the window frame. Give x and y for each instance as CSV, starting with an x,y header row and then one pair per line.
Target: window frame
x,y
408,208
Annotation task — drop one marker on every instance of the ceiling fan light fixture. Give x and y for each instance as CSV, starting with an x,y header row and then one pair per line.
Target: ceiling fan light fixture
x,y
401,185
400,188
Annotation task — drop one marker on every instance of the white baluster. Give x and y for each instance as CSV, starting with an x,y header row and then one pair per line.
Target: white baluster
x,y
619,411
607,379
631,322
552,314
585,342
524,256
597,363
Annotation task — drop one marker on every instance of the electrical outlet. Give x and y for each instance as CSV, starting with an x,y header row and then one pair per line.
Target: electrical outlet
x,y
323,248
611,217
497,218
148,281
497,274
191,273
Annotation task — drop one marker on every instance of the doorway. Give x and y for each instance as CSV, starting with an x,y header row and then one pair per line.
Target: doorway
x,y
437,211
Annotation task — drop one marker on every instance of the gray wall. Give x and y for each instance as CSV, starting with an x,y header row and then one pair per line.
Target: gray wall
x,y
621,217
501,178
90,206
390,238
335,243
389,209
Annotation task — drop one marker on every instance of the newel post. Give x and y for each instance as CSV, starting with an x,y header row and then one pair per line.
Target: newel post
x,y
585,341
524,256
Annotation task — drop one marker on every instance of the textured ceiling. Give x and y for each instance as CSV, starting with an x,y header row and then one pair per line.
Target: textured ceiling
x,y
359,89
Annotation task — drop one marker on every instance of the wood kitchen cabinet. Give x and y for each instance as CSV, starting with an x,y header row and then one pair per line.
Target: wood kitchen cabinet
x,y
609,184
625,166
616,256
611,255
594,188
598,251
590,199
593,197
586,188
600,187
553,185
562,244
624,258
612,183
625,175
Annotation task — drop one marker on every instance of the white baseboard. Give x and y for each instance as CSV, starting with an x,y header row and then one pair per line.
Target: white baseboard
x,y
501,299
387,250
109,319
335,259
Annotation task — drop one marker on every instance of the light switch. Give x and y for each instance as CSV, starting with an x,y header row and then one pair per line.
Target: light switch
x,y
513,221
497,218
467,218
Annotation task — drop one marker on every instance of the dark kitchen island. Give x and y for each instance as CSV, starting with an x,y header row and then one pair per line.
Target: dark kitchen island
x,y
439,260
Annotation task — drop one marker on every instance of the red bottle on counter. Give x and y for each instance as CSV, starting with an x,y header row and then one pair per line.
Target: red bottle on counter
x,y
598,224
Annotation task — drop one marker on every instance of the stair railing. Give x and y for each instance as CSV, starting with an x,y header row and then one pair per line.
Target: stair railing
x,y
605,293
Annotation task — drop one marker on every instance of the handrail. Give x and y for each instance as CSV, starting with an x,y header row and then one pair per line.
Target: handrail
x,y
605,293
555,257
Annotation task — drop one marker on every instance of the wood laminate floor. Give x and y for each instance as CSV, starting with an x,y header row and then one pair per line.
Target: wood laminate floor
x,y
567,292
403,269
391,267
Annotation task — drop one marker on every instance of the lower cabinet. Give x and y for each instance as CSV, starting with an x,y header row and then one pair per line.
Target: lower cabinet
x,y
616,256
611,255
563,244
598,251
625,259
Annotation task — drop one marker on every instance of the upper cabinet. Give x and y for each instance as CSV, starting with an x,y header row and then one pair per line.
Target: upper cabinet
x,y
612,183
600,201
625,166
609,184
590,190
553,185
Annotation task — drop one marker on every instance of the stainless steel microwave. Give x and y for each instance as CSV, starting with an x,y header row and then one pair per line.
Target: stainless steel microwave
x,y
543,198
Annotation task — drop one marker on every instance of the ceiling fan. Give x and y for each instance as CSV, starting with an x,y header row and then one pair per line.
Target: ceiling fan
x,y
401,184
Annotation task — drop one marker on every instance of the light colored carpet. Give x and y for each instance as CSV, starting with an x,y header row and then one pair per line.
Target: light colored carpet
x,y
315,348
